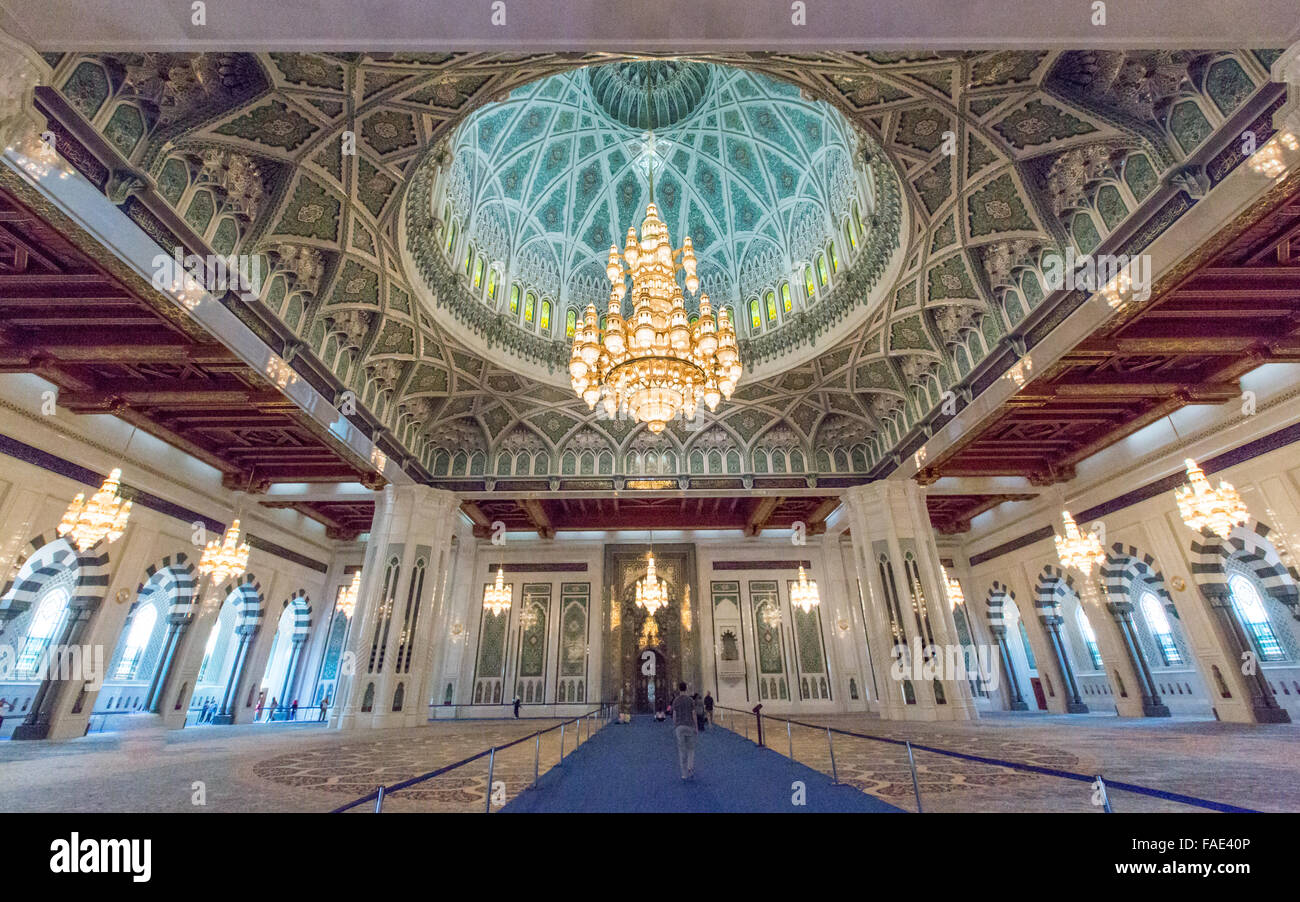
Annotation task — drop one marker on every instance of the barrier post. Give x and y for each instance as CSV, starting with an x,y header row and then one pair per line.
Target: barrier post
x,y
537,757
1105,796
561,745
758,718
379,801
831,742
492,761
916,787
789,734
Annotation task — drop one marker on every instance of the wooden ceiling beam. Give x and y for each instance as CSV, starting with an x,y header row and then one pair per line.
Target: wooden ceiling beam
x,y
761,515
482,525
537,517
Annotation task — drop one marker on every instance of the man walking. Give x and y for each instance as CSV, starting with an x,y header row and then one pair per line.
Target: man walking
x,y
324,706
516,707
685,730
708,707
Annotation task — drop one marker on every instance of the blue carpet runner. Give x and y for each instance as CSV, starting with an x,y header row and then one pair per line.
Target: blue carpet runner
x,y
632,767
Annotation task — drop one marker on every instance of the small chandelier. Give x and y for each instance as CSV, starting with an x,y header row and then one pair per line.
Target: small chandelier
x,y
651,593
104,516
496,598
1205,507
348,600
953,588
225,559
1081,551
803,594
771,617
528,617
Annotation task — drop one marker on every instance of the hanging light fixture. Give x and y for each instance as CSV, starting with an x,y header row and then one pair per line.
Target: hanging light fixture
x,y
104,516
803,594
1204,507
651,593
348,600
496,598
1081,551
528,617
225,558
657,364
953,588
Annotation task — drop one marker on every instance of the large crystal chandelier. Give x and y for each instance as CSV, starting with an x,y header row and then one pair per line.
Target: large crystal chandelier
x,y
651,593
225,558
496,598
1081,551
104,516
348,600
1204,507
803,594
657,364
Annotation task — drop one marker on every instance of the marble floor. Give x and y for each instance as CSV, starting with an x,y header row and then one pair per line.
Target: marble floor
x,y
304,767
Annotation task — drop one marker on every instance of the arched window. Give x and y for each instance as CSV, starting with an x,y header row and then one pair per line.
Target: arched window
x,y
45,623
451,238
835,259
1250,608
137,639
571,322
544,322
492,284
469,258
809,284
770,300
853,234
478,272
822,276
514,300
530,306
1158,623
785,297
755,321
1029,652
1089,637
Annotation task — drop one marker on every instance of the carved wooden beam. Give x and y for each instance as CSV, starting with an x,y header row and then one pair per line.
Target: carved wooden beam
x,y
762,513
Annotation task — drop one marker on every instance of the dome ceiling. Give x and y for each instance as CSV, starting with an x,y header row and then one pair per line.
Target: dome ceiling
x,y
547,180
1053,150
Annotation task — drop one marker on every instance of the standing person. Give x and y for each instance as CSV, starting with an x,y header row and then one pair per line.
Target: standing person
x,y
685,730
293,710
699,710
708,707
261,700
324,706
516,707
270,715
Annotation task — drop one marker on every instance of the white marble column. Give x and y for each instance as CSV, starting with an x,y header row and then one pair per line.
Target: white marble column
x,y
889,518
412,524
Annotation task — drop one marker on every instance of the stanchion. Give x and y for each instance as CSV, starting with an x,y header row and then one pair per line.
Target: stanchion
x,y
831,742
789,734
379,801
492,763
758,721
561,744
537,758
1105,796
916,787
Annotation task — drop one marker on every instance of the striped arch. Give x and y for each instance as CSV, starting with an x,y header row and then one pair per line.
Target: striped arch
x,y
1126,566
176,577
249,613
301,605
993,601
46,557
1052,582
1249,545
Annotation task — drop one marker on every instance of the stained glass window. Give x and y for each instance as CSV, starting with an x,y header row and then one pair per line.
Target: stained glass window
x,y
48,616
142,624
530,305
1250,608
822,276
571,322
492,284
478,272
545,322
1089,637
469,258
770,300
1159,626
451,238
809,285
755,321
785,297
835,259
514,300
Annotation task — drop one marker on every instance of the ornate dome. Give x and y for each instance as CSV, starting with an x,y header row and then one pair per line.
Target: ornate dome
x,y
771,187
